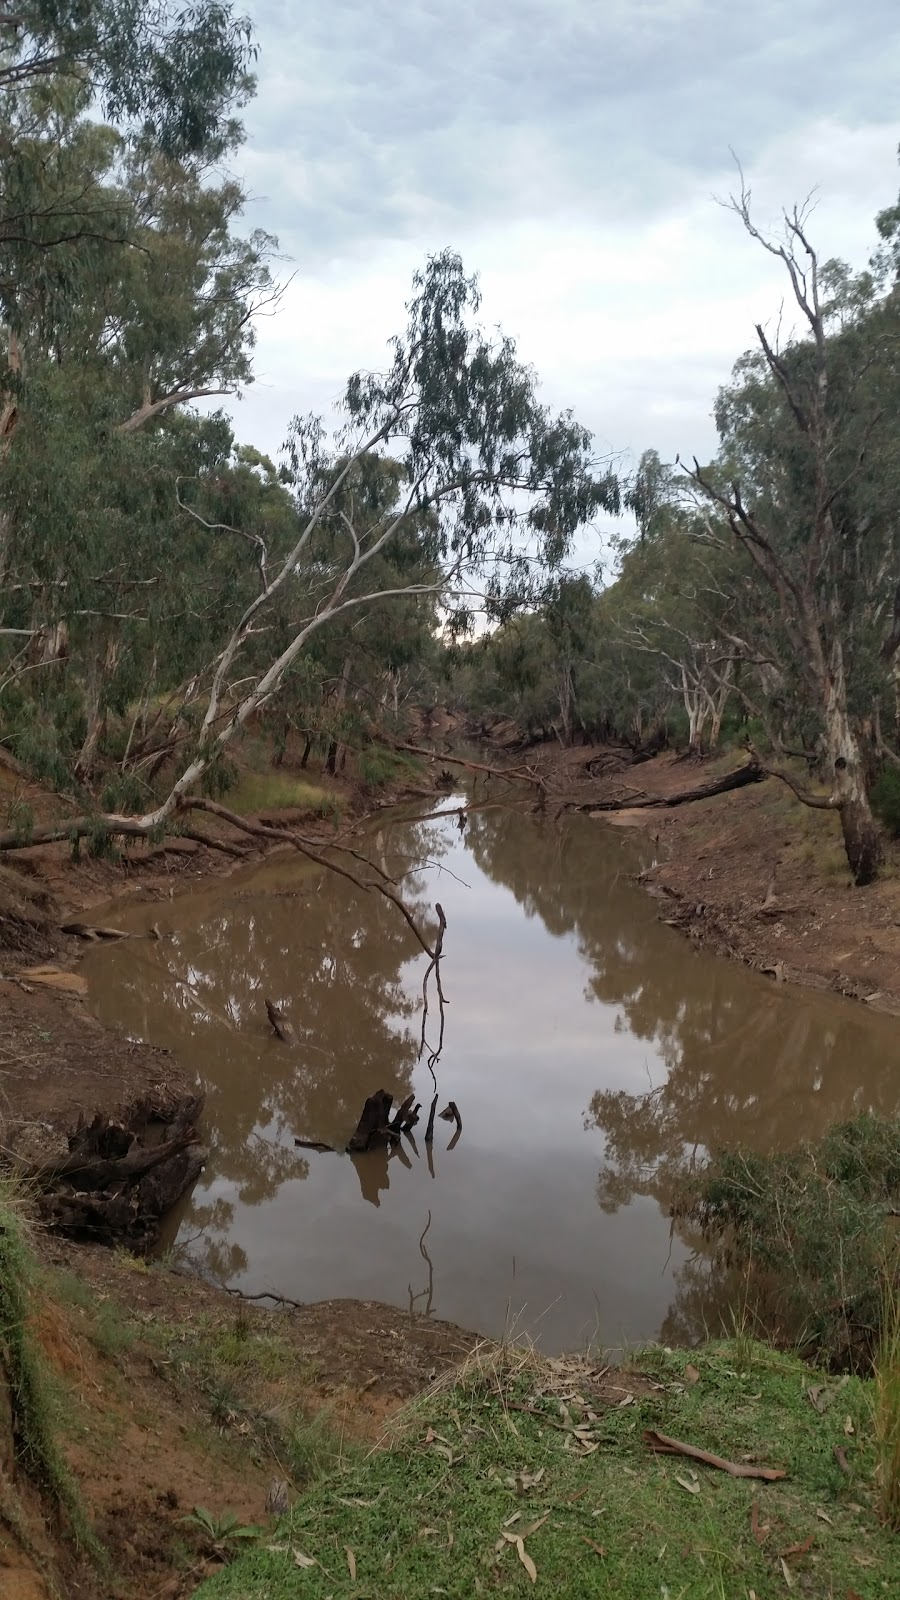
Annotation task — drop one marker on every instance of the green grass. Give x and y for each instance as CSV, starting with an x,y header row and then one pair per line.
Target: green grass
x,y
252,1380
886,1421
105,1323
438,1512
276,791
33,1404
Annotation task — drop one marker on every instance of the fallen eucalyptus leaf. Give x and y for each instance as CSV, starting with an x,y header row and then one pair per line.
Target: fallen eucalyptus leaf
x,y
526,1561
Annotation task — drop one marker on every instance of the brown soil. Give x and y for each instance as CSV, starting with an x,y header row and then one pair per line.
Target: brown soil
x,y
57,1061
753,873
155,1422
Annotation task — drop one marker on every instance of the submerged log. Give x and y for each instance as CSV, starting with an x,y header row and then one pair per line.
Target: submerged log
x,y
280,1025
94,931
404,1110
377,1128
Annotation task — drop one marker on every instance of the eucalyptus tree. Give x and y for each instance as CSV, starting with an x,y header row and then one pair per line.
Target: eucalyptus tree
x,y
173,71
110,344
482,466
807,452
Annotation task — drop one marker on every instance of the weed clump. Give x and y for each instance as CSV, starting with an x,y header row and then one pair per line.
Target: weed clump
x,y
815,1227
22,1367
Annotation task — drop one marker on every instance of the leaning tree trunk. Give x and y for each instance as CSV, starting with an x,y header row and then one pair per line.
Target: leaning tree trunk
x,y
101,672
862,836
336,748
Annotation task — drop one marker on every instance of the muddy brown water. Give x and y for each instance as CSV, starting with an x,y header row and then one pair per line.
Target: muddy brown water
x,y
593,1053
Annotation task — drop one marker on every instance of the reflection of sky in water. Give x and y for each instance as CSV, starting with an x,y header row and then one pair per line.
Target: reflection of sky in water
x,y
591,1051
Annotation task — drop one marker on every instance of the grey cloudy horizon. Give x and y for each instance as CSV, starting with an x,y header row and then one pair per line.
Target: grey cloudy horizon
x,y
570,152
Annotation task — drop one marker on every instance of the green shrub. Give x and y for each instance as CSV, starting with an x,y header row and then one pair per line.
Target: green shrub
x,y
812,1226
378,766
885,799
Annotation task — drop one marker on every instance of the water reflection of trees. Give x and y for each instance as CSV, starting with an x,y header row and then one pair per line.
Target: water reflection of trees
x,y
742,1059
332,957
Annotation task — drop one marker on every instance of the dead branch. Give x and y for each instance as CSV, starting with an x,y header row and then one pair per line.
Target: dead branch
x,y
87,1173
517,774
435,967
450,1113
429,1131
290,836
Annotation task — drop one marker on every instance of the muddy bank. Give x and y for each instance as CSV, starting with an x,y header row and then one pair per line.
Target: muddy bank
x,y
751,874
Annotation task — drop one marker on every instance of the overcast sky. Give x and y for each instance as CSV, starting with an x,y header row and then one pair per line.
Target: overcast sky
x,y
571,151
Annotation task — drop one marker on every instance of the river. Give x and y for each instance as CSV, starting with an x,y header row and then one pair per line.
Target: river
x,y
593,1052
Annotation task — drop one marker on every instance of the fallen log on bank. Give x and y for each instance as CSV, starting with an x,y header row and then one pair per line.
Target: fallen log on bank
x,y
751,772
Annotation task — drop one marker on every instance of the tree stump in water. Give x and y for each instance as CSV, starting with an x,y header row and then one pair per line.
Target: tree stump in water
x,y
376,1126
373,1126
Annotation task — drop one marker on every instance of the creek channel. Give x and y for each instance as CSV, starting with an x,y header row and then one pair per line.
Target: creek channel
x,y
593,1052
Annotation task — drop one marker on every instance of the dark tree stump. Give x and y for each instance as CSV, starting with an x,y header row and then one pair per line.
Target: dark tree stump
x,y
374,1126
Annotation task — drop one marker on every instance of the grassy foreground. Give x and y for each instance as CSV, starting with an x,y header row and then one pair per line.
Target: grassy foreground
x,y
526,1474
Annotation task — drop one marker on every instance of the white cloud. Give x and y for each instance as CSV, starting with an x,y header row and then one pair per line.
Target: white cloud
x,y
632,321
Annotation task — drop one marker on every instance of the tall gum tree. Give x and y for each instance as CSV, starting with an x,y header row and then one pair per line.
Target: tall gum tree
x,y
790,487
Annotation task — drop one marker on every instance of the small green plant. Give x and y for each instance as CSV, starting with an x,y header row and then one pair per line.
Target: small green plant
x,y
101,843
378,766
123,792
224,1533
20,817
315,1446
885,799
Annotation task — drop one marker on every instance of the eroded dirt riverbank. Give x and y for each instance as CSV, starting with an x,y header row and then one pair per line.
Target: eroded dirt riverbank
x,y
752,874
